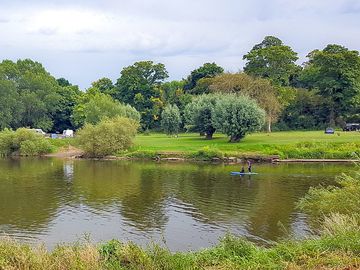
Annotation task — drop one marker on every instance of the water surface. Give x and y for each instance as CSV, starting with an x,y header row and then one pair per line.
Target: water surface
x,y
181,205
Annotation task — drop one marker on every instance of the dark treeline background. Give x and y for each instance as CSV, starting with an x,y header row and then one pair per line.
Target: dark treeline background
x,y
323,91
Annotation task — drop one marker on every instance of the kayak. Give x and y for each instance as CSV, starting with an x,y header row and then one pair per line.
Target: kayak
x,y
244,173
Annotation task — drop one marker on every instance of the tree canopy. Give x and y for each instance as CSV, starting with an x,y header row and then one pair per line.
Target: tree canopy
x,y
208,70
273,60
335,73
139,86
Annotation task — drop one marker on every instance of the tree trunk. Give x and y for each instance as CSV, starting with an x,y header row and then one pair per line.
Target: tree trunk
x,y
235,138
209,136
269,125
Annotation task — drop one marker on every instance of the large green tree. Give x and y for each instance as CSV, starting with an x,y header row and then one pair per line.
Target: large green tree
x,y
94,106
335,73
273,60
139,86
208,70
37,92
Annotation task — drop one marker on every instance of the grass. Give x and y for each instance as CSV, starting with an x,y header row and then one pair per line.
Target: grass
x,y
337,248
290,144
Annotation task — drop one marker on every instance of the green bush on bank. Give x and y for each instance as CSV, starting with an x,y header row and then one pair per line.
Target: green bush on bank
x,y
23,142
107,137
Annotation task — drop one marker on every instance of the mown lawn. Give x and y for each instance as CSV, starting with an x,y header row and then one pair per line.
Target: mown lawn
x,y
258,142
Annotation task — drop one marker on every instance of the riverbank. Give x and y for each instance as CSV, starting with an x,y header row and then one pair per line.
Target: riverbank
x,y
336,248
290,146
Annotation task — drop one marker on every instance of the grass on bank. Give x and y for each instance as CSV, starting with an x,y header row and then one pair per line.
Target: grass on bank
x,y
337,248
289,144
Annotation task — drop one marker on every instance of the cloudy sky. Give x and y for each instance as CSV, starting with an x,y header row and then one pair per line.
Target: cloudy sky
x,y
84,40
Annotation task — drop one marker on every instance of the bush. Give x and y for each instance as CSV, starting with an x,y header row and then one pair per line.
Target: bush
x,y
343,199
23,142
108,137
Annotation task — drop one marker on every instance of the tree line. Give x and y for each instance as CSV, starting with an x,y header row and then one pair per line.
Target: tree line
x,y
324,91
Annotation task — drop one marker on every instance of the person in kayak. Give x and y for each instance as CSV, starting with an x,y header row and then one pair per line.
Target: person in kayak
x,y
242,170
249,166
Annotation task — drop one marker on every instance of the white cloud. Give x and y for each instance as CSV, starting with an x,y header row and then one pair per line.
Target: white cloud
x,y
84,40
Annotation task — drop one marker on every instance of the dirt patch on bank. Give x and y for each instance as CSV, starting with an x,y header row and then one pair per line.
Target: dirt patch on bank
x,y
67,152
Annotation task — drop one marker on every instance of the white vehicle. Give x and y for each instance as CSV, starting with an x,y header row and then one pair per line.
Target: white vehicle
x,y
68,133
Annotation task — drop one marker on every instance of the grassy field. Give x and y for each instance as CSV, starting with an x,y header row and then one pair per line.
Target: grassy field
x,y
290,144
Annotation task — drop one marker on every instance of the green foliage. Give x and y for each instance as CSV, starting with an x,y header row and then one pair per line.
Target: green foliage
x,y
237,115
171,120
267,96
335,73
105,85
305,111
69,97
208,70
23,142
342,199
199,114
315,150
139,86
206,154
107,137
273,60
96,106
32,94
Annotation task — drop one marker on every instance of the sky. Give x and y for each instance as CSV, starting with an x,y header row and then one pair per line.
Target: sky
x,y
85,40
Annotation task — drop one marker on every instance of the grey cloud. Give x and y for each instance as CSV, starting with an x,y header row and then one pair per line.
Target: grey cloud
x,y
101,37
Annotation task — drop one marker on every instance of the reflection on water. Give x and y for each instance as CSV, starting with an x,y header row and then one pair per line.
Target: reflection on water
x,y
187,206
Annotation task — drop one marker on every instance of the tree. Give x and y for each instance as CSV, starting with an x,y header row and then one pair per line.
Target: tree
x,y
37,92
139,86
69,98
107,137
96,106
306,111
171,119
208,70
199,114
273,60
335,73
11,107
63,82
261,90
237,115
105,85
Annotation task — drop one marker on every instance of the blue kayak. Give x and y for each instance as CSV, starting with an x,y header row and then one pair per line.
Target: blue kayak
x,y
244,173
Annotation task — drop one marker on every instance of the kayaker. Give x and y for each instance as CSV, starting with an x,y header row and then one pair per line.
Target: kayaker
x,y
249,166
242,170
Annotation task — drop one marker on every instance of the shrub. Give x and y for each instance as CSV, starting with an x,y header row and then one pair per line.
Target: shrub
x,y
23,142
343,199
171,119
108,137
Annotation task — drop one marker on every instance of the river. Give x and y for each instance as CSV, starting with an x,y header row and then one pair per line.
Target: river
x,y
185,206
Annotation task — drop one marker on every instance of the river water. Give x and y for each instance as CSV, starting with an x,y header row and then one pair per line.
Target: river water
x,y
184,206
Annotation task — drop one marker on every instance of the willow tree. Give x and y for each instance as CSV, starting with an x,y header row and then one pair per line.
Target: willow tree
x,y
237,116
261,90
